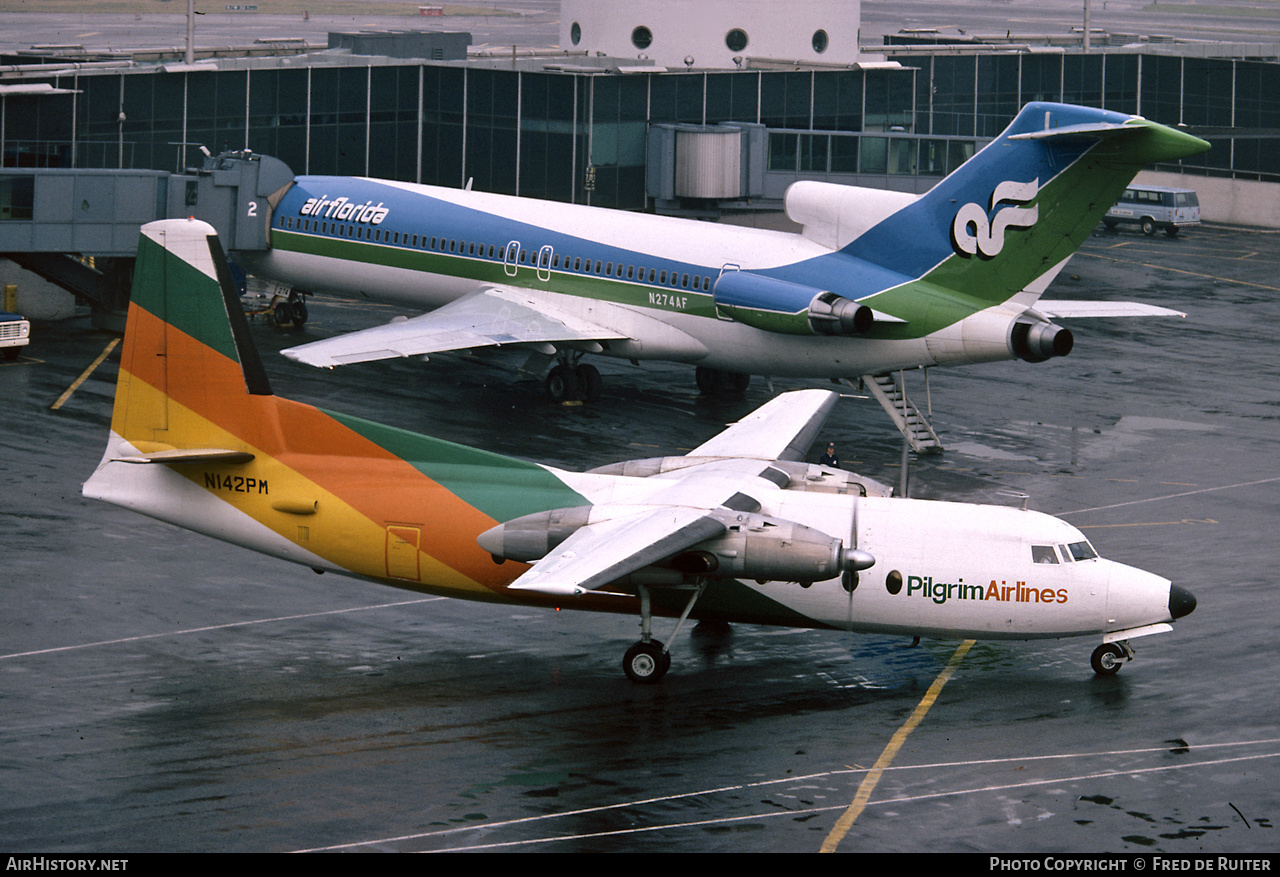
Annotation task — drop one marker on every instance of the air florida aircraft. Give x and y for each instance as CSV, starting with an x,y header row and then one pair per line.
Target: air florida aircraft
x,y
877,281
739,530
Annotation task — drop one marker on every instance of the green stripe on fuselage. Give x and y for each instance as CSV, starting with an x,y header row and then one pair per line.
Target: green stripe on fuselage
x,y
501,487
493,271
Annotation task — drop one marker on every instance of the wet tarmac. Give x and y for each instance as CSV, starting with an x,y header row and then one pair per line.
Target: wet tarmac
x,y
160,691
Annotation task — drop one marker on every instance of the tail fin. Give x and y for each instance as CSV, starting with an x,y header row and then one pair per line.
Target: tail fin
x,y
187,362
1022,205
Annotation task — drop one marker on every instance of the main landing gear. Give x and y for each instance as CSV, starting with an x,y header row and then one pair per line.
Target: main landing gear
x,y
570,381
290,312
1108,658
648,661
717,382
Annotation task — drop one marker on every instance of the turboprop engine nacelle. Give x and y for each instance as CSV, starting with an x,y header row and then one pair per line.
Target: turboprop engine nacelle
x,y
791,308
769,549
753,546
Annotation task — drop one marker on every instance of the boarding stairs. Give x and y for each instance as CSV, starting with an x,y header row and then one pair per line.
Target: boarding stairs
x,y
890,392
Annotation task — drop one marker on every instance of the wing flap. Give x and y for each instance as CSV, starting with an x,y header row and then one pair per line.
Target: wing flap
x,y
490,317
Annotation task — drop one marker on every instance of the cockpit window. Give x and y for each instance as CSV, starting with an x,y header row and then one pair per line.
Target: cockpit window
x,y
1082,551
1043,554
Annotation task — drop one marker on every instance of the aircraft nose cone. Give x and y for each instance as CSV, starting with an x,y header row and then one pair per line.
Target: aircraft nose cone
x,y
1181,601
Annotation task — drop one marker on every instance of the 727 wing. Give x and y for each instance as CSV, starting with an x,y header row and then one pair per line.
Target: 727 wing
x,y
491,317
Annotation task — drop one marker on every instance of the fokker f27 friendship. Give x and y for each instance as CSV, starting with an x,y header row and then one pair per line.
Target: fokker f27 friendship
x,y
739,530
877,281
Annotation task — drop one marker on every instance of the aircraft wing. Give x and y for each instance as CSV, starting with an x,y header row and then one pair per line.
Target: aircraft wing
x,y
687,506
605,552
491,317
1065,310
781,429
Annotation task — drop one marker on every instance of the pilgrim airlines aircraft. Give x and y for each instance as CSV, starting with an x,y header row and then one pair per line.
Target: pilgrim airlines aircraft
x,y
876,281
739,530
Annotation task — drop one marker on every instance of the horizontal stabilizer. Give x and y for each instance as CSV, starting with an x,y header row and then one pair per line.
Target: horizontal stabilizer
x,y
189,455
1066,310
491,317
1091,128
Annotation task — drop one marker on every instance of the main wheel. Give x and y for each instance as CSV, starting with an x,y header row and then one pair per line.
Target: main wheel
x,y
1107,659
646,662
562,384
590,384
298,312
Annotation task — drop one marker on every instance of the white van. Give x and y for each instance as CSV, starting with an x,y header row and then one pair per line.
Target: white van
x,y
1155,207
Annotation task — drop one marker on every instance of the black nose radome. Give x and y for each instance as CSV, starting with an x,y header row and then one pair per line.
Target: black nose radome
x,y
1181,601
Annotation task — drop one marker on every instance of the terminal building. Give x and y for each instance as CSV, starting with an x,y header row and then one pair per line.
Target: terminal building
x,y
641,107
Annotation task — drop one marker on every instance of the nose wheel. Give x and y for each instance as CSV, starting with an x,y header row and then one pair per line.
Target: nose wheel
x,y
1108,658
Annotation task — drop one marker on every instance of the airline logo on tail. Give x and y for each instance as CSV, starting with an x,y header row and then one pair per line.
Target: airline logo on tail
x,y
973,233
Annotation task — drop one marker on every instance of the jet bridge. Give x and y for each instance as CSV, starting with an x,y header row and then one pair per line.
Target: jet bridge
x,y
78,228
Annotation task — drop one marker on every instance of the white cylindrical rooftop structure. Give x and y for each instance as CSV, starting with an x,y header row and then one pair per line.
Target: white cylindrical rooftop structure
x,y
713,33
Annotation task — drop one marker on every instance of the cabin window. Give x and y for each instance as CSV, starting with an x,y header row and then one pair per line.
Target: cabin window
x,y
597,266
662,277
555,261
706,284
608,269
1043,554
577,264
631,271
490,251
471,248
684,280
524,256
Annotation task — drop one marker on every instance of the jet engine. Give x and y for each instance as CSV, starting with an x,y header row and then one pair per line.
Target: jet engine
x,y
791,308
996,334
1036,341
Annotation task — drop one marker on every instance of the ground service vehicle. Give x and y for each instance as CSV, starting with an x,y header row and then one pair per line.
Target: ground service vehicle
x,y
14,334
1155,207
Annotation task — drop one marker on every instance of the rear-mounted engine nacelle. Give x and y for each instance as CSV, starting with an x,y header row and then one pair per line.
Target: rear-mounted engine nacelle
x,y
995,334
1036,341
792,308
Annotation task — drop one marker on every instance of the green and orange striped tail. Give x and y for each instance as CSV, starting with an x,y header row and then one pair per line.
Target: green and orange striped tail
x,y
186,346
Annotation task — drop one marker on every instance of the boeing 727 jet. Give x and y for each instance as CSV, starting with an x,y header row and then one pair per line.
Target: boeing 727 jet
x,y
875,282
739,530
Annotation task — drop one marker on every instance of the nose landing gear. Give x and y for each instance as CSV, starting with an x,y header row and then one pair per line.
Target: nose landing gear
x,y
1108,658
